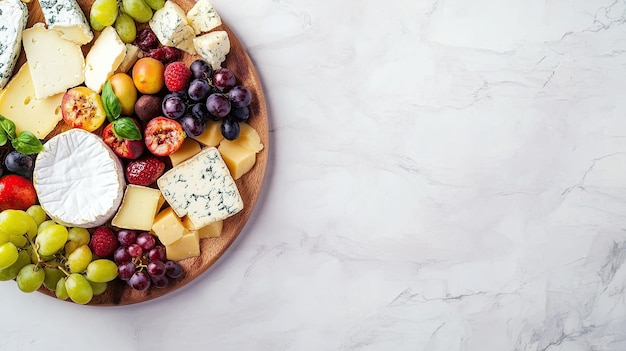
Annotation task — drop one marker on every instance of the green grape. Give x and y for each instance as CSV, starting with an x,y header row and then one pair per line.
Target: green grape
x,y
125,27
104,12
32,254
101,271
44,225
10,272
78,288
8,255
98,288
137,9
37,213
70,246
18,240
61,291
78,260
95,25
155,4
4,237
79,235
52,277
30,278
51,239
16,222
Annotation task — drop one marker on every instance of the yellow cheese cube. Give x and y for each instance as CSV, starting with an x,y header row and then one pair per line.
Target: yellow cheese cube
x,y
212,230
212,134
188,149
138,208
238,159
185,247
249,138
168,227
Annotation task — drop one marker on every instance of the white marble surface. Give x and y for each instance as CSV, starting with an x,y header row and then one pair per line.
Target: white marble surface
x,y
444,175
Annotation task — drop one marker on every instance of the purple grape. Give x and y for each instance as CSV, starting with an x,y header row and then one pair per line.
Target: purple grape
x,y
230,129
173,106
127,237
126,270
160,281
173,269
200,112
156,268
140,281
146,241
198,89
240,96
224,79
135,250
218,105
121,255
157,254
19,163
240,114
200,69
192,126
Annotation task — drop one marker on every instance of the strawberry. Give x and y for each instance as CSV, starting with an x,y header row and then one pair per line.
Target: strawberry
x,y
176,76
144,171
103,242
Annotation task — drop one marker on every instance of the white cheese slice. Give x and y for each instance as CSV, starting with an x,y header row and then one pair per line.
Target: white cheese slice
x,y
213,47
13,17
170,26
202,189
106,54
78,179
55,64
68,18
203,17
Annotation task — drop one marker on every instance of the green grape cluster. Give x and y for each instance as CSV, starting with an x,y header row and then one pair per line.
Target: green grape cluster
x,y
123,15
37,251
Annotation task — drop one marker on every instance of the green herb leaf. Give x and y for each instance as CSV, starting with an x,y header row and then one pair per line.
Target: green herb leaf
x,y
27,143
125,128
111,103
3,138
8,127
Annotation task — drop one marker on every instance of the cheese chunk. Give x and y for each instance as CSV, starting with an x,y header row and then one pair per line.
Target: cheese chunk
x,y
213,230
202,189
168,227
131,56
139,206
213,47
19,104
55,64
203,17
238,159
249,138
105,56
185,247
212,134
78,180
13,17
171,27
188,149
66,17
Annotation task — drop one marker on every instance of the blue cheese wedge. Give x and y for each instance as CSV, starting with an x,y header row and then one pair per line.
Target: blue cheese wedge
x,y
202,189
170,26
213,47
13,17
203,17
66,17
78,179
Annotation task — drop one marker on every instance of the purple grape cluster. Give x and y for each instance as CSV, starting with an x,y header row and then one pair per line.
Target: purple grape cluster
x,y
141,261
210,96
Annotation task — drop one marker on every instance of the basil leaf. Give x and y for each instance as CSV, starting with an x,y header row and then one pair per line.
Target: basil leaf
x,y
3,138
125,128
7,126
111,103
27,143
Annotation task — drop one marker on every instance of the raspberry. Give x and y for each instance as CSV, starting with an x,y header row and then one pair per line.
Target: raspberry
x,y
103,242
177,76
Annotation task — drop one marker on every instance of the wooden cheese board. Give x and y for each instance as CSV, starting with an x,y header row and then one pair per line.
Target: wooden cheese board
x,y
238,61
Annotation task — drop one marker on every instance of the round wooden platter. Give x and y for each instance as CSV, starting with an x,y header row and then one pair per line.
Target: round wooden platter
x,y
249,185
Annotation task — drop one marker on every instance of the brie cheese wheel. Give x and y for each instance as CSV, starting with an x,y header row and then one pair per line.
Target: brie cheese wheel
x,y
78,179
